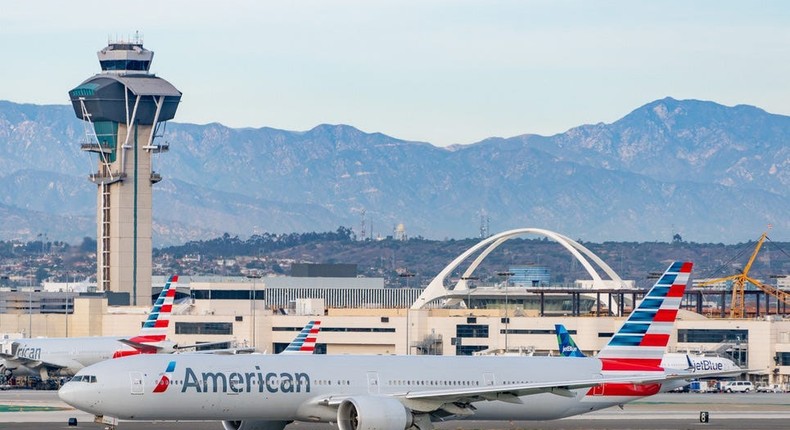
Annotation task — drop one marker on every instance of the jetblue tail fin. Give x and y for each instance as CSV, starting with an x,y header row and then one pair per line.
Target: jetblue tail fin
x,y
305,341
565,342
643,338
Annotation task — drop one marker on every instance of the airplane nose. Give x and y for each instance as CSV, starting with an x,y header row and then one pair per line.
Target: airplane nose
x,y
68,394
75,395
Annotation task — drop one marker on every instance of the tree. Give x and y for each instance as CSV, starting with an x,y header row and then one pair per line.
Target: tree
x,y
88,245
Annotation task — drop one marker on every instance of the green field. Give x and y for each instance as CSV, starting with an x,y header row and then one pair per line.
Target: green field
x,y
18,408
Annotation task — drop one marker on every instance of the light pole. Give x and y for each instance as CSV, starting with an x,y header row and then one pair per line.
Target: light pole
x,y
408,348
469,290
254,278
30,308
507,276
407,275
67,305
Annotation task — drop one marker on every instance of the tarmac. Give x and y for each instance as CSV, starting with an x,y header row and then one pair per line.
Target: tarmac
x,y
28,409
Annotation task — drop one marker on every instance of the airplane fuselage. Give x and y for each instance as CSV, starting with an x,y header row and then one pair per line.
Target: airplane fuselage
x,y
60,356
284,388
697,362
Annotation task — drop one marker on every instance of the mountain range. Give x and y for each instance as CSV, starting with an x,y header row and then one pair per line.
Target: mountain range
x,y
708,172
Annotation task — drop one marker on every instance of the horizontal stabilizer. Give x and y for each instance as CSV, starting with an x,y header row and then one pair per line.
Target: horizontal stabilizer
x,y
145,348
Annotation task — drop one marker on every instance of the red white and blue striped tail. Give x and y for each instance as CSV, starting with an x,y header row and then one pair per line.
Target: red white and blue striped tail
x,y
155,327
153,335
643,338
305,341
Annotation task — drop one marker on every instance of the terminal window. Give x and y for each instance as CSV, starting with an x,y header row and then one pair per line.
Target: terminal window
x,y
342,329
471,330
713,336
228,294
204,328
532,331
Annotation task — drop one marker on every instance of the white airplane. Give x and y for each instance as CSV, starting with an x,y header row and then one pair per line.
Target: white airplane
x,y
699,362
64,356
386,392
670,360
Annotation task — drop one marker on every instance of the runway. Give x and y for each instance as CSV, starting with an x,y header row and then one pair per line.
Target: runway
x,y
663,411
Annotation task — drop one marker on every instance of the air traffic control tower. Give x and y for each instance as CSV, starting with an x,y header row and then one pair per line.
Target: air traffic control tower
x,y
124,107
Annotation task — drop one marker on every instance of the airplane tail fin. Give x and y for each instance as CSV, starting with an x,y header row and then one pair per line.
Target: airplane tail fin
x,y
643,338
155,327
153,335
565,342
305,341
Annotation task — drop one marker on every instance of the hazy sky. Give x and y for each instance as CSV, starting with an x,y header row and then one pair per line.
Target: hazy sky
x,y
443,72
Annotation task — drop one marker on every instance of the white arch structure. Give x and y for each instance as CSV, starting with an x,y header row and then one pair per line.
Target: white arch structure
x,y
437,289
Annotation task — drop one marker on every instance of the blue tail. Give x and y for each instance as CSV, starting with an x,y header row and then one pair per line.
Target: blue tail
x,y
567,346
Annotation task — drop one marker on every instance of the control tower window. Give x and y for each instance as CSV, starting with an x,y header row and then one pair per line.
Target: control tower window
x,y
125,65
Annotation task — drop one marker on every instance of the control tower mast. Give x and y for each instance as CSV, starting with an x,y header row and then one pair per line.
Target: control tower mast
x,y
124,106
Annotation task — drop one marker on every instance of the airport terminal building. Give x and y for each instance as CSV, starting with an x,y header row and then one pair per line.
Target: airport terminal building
x,y
450,316
360,316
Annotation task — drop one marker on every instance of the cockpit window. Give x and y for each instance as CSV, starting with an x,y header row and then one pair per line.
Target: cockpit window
x,y
84,378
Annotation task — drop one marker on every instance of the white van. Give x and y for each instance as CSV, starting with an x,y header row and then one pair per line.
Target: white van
x,y
737,387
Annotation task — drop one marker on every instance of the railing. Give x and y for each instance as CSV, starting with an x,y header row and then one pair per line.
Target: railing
x,y
99,178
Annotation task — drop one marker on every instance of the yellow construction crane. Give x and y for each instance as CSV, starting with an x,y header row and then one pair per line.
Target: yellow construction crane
x,y
739,284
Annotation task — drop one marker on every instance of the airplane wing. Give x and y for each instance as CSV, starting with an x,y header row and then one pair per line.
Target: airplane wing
x,y
458,401
225,351
13,361
204,344
148,348
231,351
506,393
511,392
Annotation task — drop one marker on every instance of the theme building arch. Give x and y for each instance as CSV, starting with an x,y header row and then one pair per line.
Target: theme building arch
x,y
437,290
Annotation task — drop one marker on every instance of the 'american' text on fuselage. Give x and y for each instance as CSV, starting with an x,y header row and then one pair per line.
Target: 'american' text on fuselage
x,y
245,382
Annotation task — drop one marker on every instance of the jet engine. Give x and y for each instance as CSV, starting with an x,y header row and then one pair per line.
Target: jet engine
x,y
254,425
373,413
5,373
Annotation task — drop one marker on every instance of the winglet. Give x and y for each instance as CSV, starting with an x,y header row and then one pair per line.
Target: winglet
x,y
691,365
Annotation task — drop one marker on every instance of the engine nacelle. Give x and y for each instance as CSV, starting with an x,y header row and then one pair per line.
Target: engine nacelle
x,y
254,425
373,413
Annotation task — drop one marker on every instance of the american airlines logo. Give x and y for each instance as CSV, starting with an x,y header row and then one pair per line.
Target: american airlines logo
x,y
236,382
164,380
31,353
